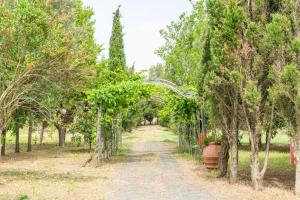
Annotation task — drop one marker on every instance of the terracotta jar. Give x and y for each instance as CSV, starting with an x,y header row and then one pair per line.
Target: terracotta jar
x,y
211,154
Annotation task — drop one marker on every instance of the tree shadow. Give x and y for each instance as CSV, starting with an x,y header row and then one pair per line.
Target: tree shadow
x,y
15,175
283,148
43,152
273,178
143,157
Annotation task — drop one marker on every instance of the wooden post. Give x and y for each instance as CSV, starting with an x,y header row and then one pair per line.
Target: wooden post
x,y
30,130
17,129
99,133
203,124
203,118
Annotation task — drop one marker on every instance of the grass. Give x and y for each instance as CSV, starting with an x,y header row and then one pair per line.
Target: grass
x,y
50,136
277,160
169,137
280,138
53,174
124,150
280,172
185,154
50,172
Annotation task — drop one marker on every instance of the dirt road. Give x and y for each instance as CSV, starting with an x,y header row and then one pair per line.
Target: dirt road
x,y
151,172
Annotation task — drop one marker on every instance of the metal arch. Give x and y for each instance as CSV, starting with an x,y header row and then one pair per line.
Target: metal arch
x,y
172,86
186,94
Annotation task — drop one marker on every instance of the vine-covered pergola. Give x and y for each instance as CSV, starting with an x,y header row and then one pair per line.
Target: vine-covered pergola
x,y
188,94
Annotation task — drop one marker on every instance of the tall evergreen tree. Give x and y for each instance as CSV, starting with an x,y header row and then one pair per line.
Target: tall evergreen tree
x,y
117,60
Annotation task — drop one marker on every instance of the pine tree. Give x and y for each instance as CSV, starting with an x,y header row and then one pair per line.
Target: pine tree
x,y
117,60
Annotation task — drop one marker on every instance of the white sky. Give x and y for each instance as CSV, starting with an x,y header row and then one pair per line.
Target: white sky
x,y
142,20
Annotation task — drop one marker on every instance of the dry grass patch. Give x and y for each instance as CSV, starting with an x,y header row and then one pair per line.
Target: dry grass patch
x,y
278,181
51,174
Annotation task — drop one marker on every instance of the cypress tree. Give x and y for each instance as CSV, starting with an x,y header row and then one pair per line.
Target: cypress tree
x,y
117,60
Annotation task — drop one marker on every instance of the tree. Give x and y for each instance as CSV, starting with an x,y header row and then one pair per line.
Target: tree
x,y
284,37
39,63
219,72
117,60
110,101
84,123
239,43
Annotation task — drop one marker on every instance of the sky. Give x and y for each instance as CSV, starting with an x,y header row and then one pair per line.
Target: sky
x,y
142,20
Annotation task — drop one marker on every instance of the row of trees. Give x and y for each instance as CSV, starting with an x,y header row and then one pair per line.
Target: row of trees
x,y
48,51
243,57
50,76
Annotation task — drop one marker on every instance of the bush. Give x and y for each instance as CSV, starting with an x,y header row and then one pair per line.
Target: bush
x,y
78,141
212,138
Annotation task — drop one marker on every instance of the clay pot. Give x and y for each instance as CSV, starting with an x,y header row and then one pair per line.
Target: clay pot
x,y
211,154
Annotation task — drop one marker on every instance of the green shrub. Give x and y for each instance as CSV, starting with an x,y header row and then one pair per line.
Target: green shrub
x,y
23,197
78,141
212,138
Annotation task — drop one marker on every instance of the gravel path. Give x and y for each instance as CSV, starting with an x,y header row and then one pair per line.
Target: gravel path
x,y
151,172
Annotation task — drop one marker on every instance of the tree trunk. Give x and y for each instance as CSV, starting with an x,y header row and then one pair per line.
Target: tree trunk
x,y
106,149
113,139
110,148
120,137
255,171
64,136
187,132
30,130
233,143
44,126
111,143
224,156
116,138
180,143
3,142
61,136
267,138
260,141
99,133
250,9
17,129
